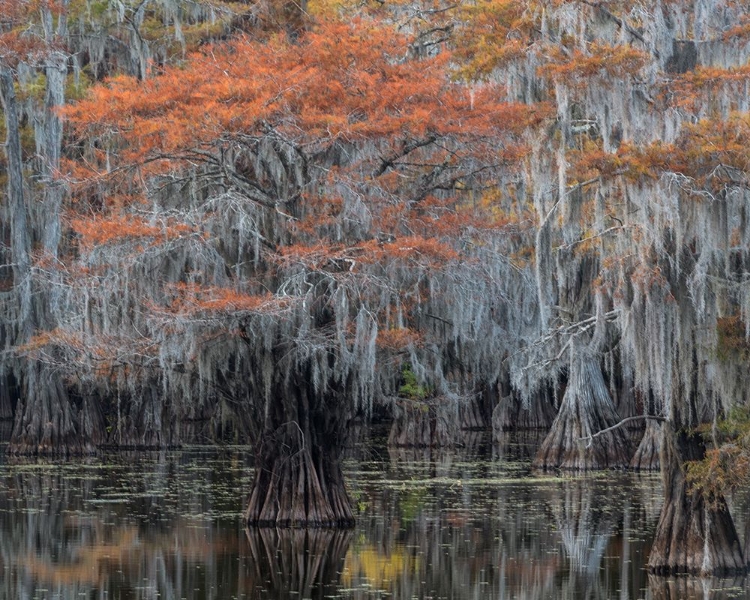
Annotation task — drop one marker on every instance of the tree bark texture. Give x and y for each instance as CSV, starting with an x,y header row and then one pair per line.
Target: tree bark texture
x,y
298,478
145,420
424,424
693,535
511,415
586,409
646,457
20,232
46,423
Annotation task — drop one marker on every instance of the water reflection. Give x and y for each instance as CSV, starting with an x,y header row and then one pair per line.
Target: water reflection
x,y
295,562
458,524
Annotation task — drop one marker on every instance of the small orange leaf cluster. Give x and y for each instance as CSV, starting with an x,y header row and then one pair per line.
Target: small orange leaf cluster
x,y
47,339
599,61
495,32
699,91
190,299
118,228
397,339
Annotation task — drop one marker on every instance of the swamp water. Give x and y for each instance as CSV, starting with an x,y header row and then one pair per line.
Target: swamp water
x,y
470,523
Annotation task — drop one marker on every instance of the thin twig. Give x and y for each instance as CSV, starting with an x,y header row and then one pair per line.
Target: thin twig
x,y
617,425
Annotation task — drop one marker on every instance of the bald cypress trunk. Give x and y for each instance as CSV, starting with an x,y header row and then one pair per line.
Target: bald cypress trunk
x,y
585,410
693,535
298,478
20,232
646,457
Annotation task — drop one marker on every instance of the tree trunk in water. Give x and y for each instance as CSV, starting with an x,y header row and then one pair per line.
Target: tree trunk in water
x,y
586,409
693,535
45,422
424,424
646,457
298,478
511,415
144,420
298,483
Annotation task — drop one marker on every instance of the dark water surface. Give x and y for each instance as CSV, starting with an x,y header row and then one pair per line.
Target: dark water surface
x,y
469,523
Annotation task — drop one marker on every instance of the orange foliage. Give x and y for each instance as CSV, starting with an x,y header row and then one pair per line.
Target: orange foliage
x,y
342,80
601,62
699,90
98,230
190,299
495,33
397,339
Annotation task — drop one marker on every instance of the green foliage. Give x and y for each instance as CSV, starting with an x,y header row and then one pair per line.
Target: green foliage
x,y
410,387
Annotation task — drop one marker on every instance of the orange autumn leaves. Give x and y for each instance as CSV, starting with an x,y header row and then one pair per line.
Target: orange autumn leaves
x,y
346,81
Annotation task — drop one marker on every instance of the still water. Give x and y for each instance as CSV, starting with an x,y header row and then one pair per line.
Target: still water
x,y
469,523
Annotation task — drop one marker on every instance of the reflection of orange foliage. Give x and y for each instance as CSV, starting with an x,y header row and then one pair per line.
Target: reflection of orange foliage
x,y
128,549
91,563
380,570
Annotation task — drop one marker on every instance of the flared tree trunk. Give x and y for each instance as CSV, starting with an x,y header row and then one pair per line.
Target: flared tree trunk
x,y
693,535
646,457
144,420
298,478
586,409
46,423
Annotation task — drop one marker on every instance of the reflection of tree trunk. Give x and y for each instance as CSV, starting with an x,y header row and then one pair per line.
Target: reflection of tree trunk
x,y
646,457
680,588
693,535
586,409
585,532
303,563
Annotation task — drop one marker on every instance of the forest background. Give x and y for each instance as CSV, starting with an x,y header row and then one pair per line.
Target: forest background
x,y
261,221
